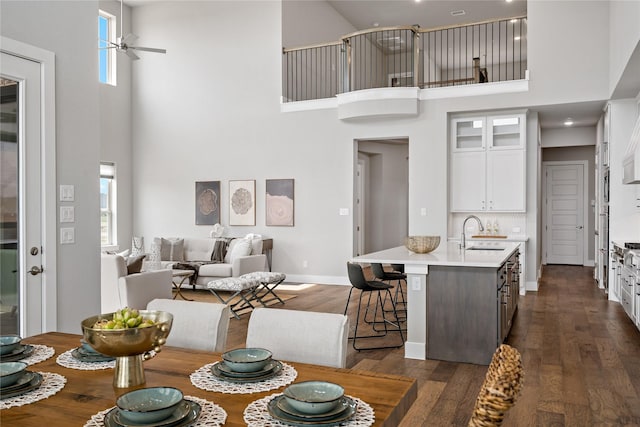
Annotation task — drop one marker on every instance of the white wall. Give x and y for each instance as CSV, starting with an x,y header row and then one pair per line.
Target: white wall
x,y
69,29
202,113
569,137
312,22
624,36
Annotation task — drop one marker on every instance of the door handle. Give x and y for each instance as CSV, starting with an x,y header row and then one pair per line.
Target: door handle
x,y
579,227
35,270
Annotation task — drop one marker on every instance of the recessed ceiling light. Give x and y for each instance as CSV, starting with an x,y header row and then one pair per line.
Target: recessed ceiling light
x,y
508,1
568,122
457,12
513,21
516,38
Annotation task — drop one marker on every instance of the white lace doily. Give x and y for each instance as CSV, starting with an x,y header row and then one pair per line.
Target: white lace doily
x,y
67,360
210,415
40,353
203,378
257,414
51,384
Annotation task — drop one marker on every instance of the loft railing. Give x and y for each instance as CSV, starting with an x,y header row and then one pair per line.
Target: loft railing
x,y
482,52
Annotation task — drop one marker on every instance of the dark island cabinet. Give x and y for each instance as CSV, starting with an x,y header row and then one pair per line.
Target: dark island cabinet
x,y
470,310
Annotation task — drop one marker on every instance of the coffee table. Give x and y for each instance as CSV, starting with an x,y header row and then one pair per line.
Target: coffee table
x,y
179,276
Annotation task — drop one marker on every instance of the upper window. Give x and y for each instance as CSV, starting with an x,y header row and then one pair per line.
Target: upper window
x,y
106,52
107,204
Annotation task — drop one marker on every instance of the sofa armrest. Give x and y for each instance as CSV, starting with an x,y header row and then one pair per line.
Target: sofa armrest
x,y
249,264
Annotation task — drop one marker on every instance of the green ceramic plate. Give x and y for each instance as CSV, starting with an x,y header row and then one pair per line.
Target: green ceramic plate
x,y
222,376
33,384
185,414
293,420
18,353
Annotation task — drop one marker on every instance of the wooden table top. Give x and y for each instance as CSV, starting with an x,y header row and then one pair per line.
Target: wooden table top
x,y
88,392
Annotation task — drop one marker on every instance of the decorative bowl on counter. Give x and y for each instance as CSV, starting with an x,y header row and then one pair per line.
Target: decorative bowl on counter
x,y
313,397
246,359
10,372
149,405
422,244
129,346
8,343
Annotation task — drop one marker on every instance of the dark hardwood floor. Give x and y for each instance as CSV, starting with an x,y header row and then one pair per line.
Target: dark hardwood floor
x,y
581,358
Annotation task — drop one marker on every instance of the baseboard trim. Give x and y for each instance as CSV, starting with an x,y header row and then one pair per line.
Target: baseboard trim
x,y
320,280
415,350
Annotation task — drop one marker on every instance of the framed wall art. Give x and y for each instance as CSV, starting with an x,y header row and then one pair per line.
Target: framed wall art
x,y
279,202
207,202
242,202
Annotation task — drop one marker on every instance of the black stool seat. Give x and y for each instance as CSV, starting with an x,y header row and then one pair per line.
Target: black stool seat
x,y
391,276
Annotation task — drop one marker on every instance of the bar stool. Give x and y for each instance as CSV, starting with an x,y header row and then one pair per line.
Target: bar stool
x,y
358,281
391,276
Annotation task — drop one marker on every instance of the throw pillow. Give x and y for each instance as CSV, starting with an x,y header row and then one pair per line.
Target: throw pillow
x,y
240,249
171,250
134,263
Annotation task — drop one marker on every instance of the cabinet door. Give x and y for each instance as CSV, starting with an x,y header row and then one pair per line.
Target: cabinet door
x,y
506,180
506,132
468,134
467,181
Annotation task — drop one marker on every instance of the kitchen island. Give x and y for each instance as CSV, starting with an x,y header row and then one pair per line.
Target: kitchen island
x,y
458,307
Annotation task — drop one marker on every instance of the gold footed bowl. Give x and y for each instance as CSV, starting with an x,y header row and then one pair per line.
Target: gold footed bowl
x,y
129,346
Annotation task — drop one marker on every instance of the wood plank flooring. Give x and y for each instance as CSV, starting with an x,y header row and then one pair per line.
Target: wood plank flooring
x,y
581,358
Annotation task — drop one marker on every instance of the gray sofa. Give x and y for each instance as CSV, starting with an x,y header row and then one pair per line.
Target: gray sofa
x,y
213,258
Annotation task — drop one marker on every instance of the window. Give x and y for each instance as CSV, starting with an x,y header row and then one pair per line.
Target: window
x,y
106,56
107,204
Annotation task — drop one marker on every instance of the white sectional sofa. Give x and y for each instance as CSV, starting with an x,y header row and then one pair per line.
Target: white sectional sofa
x,y
242,256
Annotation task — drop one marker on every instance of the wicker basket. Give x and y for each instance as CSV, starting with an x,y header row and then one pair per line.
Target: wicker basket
x,y
422,244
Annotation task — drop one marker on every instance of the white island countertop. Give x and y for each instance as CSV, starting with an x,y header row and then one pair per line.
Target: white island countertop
x,y
447,254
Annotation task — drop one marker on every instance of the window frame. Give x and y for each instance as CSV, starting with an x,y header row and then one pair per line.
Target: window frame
x,y
109,54
108,172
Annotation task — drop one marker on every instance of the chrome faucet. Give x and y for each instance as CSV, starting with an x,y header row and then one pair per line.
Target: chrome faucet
x,y
463,242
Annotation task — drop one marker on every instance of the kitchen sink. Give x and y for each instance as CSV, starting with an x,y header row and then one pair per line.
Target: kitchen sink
x,y
485,248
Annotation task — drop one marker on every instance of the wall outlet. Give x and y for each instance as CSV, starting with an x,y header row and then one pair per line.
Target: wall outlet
x,y
516,229
415,284
305,264
423,211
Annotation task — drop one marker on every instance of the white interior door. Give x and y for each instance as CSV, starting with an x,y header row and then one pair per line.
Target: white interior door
x,y
25,296
564,220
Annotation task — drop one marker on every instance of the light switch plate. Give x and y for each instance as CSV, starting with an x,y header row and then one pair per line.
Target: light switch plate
x,y
67,193
67,235
67,214
423,211
415,284
344,211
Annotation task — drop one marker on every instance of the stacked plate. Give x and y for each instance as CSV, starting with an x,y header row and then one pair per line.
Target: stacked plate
x,y
246,365
12,349
17,380
86,353
153,407
312,403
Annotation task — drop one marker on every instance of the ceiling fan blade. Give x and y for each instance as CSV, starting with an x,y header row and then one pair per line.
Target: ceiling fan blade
x,y
148,49
129,38
131,55
108,47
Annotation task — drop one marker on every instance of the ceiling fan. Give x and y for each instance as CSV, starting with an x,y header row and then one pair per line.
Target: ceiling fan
x,y
122,43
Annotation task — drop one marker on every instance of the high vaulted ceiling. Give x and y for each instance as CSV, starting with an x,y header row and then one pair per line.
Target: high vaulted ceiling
x,y
364,14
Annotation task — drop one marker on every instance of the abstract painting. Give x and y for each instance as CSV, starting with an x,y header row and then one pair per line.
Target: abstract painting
x,y
242,202
207,202
279,202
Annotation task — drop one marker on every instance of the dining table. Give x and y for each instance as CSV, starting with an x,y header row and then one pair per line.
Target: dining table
x,y
87,392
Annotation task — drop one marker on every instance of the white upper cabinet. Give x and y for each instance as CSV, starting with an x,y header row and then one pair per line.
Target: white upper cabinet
x,y
488,164
505,132
469,134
